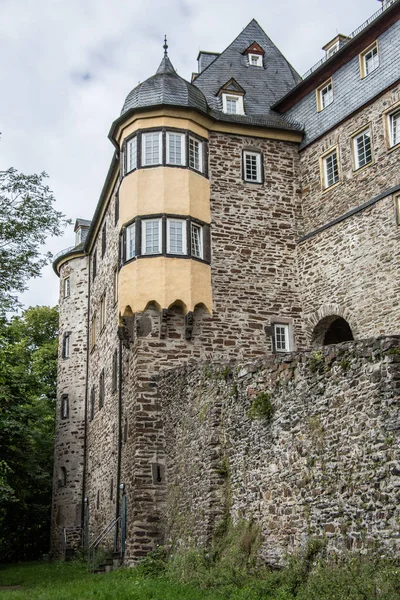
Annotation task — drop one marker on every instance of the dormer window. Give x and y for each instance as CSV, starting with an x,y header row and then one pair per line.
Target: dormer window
x,y
232,105
255,60
324,95
332,49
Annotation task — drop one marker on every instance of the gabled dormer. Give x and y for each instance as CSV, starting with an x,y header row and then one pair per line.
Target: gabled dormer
x,y
255,55
232,95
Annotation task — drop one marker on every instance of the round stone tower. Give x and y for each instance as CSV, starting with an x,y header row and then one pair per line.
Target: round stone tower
x,y
71,266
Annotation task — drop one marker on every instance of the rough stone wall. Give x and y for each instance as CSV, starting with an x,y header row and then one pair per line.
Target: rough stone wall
x,y
70,431
326,464
351,268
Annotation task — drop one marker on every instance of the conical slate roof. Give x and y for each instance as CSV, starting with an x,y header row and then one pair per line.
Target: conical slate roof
x,y
165,87
263,85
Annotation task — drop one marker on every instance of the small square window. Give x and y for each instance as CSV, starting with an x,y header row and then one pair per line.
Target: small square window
x,y
252,166
362,149
394,128
196,240
175,148
151,236
232,104
131,154
255,60
66,287
195,154
130,241
176,236
281,337
369,60
324,95
151,148
330,168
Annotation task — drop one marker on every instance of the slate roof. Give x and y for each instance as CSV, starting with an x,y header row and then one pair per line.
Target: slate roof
x,y
81,223
165,87
263,86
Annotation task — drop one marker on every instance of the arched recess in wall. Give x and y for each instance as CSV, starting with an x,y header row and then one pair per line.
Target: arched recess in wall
x,y
330,324
332,329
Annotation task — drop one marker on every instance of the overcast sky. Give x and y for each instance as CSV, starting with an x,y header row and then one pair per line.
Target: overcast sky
x,y
67,65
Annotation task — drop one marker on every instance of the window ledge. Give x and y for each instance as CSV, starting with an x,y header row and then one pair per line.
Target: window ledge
x,y
393,148
331,187
356,171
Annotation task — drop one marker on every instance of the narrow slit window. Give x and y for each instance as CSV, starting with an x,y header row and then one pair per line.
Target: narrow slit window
x,y
66,345
64,406
101,389
92,403
67,287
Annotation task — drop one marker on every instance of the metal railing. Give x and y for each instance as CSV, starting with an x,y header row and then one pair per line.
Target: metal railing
x,y
64,539
94,545
65,251
384,7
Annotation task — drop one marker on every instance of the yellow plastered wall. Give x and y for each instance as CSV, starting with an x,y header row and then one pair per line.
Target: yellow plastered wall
x,y
164,280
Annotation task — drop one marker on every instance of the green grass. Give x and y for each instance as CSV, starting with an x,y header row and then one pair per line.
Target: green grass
x,y
195,576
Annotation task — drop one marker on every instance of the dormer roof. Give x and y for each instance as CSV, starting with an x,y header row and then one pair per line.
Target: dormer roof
x,y
231,87
254,48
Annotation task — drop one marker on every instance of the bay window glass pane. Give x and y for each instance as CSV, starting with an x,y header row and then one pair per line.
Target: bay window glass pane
x,y
197,249
151,236
130,241
175,148
151,148
131,161
195,158
176,236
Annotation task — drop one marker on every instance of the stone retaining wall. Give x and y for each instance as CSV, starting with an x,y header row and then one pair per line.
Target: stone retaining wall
x,y
325,463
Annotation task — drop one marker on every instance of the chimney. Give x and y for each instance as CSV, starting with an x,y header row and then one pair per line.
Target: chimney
x,y
206,58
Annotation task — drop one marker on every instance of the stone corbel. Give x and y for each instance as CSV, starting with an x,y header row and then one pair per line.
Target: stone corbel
x,y
163,323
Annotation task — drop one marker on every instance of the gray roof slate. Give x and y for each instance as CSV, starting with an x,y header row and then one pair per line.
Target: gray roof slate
x,y
263,86
166,87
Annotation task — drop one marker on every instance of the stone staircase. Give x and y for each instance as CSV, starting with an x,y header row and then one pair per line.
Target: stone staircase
x,y
110,564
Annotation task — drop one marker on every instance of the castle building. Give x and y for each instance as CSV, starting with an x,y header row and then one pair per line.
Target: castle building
x,y
248,213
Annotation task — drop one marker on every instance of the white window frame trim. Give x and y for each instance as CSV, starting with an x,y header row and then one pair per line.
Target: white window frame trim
x,y
200,143
258,166
184,237
183,148
320,89
258,57
239,103
201,228
160,148
129,143
363,59
288,334
129,228
354,138
390,115
66,287
160,241
323,167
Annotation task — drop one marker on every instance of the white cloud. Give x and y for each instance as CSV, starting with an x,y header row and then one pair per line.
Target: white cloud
x,y
67,66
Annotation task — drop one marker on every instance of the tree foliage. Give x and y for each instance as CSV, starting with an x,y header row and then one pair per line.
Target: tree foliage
x,y
27,218
28,371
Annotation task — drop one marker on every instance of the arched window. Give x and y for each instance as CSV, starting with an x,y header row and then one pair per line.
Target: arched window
x,y
62,477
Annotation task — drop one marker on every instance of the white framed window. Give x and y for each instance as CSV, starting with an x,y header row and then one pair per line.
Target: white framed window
x,y
195,154
130,241
176,236
281,337
196,240
151,236
324,95
369,60
176,148
330,169
131,154
252,166
232,104
394,127
362,149
102,312
66,345
332,50
151,148
255,60
66,287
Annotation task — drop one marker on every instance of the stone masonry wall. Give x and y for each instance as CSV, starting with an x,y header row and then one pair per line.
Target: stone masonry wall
x,y
70,431
325,464
351,268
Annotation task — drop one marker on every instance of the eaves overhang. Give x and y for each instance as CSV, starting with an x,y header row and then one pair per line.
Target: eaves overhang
x,y
352,48
66,255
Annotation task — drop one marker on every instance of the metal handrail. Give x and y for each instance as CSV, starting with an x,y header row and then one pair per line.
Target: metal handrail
x,y
351,36
98,540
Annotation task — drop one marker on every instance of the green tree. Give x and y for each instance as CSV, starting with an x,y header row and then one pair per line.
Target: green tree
x,y
27,218
28,371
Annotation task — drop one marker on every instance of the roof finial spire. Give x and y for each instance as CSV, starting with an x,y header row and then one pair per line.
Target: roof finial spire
x,y
165,46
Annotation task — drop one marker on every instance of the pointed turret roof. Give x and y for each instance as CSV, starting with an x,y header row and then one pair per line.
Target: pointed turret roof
x,y
166,87
263,85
